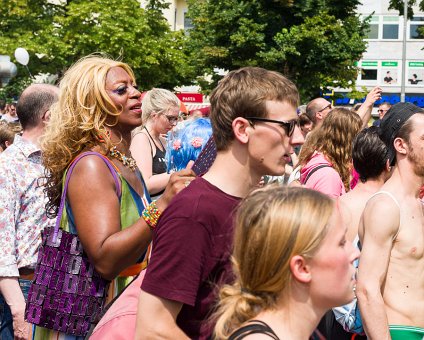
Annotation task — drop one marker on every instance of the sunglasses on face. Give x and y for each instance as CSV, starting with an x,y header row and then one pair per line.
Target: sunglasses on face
x,y
381,111
329,106
289,125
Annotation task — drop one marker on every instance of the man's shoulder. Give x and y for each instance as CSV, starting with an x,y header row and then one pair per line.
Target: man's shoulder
x,y
201,194
201,203
9,158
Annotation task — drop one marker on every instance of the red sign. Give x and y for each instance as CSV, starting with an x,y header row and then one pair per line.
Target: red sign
x,y
190,97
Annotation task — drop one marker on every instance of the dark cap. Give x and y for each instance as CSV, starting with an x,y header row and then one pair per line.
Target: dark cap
x,y
393,120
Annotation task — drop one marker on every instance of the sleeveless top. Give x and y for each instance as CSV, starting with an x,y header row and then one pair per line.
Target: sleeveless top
x,y
253,327
158,160
131,207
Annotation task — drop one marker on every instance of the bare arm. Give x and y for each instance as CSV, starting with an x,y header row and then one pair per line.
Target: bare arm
x,y
365,109
96,211
156,318
12,293
140,150
377,241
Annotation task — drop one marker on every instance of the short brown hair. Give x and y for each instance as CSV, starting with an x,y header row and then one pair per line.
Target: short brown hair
x,y
6,135
243,93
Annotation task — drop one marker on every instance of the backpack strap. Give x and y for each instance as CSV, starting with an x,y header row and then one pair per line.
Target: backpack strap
x,y
314,170
253,327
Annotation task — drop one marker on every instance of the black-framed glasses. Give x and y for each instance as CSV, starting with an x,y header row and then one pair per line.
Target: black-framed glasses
x,y
288,125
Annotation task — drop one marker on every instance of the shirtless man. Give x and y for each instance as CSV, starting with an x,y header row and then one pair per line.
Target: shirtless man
x,y
370,160
390,287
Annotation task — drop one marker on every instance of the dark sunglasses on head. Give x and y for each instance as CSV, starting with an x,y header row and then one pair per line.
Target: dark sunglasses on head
x,y
289,126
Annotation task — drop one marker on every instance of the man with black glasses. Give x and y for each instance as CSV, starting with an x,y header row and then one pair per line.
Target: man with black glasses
x,y
254,121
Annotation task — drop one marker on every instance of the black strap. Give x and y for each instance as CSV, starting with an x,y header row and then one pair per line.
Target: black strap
x,y
315,169
150,137
253,327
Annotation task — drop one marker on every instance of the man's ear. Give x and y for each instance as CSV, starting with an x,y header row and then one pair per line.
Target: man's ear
x,y
401,145
46,116
241,129
301,271
318,116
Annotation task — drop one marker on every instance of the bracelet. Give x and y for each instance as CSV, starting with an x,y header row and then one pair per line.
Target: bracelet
x,y
151,214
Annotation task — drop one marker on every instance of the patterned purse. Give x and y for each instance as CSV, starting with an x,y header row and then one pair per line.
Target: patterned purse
x,y
67,294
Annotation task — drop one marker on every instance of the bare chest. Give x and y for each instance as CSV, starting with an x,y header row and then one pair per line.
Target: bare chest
x,y
409,242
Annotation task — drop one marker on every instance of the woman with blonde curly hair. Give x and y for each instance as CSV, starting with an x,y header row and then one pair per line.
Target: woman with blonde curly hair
x,y
326,157
291,262
107,203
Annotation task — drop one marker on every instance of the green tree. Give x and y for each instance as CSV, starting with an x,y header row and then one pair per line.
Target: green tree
x,y
399,5
313,42
57,35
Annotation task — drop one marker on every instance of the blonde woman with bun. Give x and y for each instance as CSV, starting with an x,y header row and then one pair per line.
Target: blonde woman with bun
x,y
291,263
160,115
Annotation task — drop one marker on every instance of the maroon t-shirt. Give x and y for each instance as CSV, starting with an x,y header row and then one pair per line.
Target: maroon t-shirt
x,y
191,254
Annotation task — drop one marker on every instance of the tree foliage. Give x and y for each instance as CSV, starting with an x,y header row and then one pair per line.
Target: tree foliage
x,y
58,34
313,42
399,5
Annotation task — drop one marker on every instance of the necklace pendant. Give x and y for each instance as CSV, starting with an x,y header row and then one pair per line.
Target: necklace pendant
x,y
126,161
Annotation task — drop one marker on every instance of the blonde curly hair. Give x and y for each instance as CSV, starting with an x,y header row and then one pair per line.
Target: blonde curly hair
x,y
334,139
79,120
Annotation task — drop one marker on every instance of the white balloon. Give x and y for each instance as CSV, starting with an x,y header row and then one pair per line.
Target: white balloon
x,y
22,56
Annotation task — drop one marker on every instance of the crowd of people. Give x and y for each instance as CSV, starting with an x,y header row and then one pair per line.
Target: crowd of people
x,y
121,218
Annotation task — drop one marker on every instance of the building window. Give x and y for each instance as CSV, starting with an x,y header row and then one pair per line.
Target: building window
x,y
369,71
390,27
416,28
369,74
373,29
188,24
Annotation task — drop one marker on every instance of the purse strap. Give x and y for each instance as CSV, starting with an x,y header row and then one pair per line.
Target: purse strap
x,y
68,177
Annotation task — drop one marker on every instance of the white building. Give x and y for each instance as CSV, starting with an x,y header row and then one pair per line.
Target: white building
x,y
176,14
382,62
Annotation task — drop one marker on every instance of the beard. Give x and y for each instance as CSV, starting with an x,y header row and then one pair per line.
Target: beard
x,y
417,163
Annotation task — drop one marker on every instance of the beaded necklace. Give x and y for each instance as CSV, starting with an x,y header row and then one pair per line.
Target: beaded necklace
x,y
127,161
